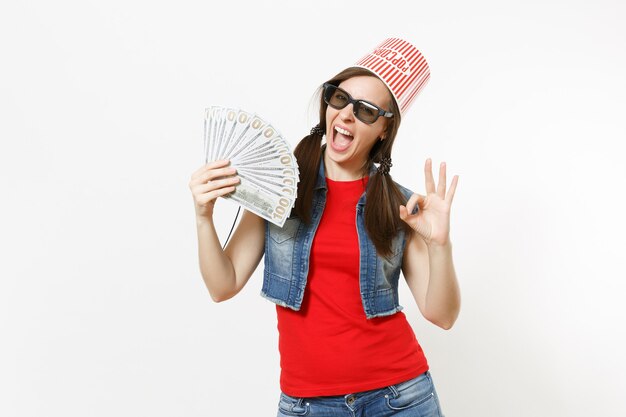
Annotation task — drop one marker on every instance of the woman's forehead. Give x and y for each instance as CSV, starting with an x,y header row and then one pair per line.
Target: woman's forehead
x,y
368,88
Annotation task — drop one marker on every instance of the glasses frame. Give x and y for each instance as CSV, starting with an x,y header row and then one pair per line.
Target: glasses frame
x,y
356,104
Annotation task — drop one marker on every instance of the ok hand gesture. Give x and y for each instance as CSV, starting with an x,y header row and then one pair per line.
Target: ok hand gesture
x,y
432,221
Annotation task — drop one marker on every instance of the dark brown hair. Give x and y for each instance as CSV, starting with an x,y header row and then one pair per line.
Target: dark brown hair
x,y
382,217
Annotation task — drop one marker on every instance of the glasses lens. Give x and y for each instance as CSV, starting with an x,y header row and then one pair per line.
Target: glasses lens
x,y
336,97
366,112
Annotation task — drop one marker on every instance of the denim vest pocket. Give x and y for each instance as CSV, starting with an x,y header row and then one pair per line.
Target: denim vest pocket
x,y
389,267
280,251
397,244
288,231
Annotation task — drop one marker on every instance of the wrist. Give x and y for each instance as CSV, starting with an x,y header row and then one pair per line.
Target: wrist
x,y
439,245
204,220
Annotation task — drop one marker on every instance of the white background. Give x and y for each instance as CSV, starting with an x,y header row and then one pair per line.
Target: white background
x,y
102,307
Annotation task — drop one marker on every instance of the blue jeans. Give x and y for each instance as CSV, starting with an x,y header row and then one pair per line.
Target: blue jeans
x,y
412,398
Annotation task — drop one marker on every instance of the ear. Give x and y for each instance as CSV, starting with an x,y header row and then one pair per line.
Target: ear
x,y
386,129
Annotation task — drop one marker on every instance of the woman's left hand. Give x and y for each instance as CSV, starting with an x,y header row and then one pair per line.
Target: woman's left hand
x,y
432,220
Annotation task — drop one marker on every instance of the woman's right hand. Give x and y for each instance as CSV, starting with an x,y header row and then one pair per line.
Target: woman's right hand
x,y
210,181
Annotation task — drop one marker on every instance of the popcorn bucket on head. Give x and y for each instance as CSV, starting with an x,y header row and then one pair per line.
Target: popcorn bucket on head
x,y
401,67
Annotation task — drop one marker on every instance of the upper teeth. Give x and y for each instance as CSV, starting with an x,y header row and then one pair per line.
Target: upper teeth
x,y
342,131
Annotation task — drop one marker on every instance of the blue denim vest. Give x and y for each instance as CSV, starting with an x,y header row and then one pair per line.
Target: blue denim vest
x,y
287,251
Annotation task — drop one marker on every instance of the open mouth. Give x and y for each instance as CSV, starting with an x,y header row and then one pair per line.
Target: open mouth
x,y
342,139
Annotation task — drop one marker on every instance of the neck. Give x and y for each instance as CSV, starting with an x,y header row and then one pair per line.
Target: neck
x,y
343,172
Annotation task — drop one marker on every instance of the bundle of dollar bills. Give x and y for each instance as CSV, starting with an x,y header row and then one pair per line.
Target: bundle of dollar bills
x,y
263,159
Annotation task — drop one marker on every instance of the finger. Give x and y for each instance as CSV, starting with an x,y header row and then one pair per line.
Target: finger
x,y
204,193
211,165
217,184
403,213
441,187
210,175
450,196
428,174
410,205
214,174
218,163
219,193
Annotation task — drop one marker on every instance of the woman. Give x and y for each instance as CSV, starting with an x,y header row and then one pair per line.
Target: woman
x,y
333,268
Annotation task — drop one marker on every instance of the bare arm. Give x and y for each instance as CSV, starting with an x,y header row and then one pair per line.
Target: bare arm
x,y
427,262
225,272
429,273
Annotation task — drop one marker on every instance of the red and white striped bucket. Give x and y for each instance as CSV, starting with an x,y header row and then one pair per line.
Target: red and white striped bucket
x,y
401,67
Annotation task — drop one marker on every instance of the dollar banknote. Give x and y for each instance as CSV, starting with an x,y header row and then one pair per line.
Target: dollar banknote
x,y
262,156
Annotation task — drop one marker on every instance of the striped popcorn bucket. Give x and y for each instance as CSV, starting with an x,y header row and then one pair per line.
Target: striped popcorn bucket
x,y
401,67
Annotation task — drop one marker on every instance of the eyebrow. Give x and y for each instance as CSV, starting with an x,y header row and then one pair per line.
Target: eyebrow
x,y
363,99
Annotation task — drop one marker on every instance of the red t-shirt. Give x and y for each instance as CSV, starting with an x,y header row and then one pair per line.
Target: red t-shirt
x,y
329,347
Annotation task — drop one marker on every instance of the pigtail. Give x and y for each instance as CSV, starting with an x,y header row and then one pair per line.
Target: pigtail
x,y
382,215
308,153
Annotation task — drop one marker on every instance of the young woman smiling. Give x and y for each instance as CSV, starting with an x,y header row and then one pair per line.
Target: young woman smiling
x,y
345,347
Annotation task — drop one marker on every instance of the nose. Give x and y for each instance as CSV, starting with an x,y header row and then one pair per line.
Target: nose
x,y
347,113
